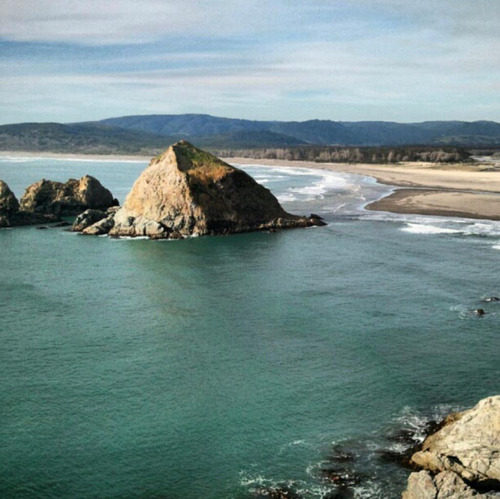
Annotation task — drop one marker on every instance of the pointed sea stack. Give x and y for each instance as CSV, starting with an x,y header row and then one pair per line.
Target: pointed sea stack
x,y
186,191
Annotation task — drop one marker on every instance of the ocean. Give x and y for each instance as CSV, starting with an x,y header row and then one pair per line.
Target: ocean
x,y
229,367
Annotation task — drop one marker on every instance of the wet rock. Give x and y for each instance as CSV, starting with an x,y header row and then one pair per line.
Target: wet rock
x,y
340,493
278,492
86,219
317,219
101,227
404,442
339,470
340,477
340,455
491,299
20,218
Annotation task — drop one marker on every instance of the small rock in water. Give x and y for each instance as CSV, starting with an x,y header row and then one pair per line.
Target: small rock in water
x,y
276,493
478,311
341,455
341,477
340,493
491,298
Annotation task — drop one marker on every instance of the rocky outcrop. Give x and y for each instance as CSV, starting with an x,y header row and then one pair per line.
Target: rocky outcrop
x,y
100,221
462,458
447,484
189,192
66,199
8,202
12,216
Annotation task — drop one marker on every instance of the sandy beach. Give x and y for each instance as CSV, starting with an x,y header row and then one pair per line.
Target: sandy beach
x,y
461,190
61,155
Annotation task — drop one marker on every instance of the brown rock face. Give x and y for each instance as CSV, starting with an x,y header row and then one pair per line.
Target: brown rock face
x,y
66,199
187,191
8,202
12,216
463,457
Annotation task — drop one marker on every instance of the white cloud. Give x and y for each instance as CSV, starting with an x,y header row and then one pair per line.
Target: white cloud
x,y
125,21
287,59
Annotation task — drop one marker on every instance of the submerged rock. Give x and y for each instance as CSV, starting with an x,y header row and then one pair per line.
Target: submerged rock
x,y
462,458
187,191
278,492
66,199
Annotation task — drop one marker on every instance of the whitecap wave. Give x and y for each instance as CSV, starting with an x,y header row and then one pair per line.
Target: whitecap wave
x,y
416,228
26,159
260,484
5,159
463,227
287,197
328,182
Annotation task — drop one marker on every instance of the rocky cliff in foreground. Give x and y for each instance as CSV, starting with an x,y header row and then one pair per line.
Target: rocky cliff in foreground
x,y
462,459
189,192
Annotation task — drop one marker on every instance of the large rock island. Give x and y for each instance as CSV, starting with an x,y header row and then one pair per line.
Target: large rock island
x,y
189,192
462,459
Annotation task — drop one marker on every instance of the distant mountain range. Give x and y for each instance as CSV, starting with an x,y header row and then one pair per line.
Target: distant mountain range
x,y
314,132
152,133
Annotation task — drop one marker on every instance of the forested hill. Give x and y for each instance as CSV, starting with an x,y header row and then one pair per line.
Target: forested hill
x,y
214,131
79,139
338,154
149,135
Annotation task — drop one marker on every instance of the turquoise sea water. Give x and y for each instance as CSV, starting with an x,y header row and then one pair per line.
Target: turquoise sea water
x,y
212,367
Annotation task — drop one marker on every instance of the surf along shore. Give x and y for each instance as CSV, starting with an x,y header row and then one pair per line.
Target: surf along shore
x,y
457,190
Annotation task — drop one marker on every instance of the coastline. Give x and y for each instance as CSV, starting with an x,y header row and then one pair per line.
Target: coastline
x,y
61,155
455,190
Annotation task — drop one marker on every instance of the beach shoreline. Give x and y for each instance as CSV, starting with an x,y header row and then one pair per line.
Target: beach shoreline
x,y
80,156
454,190
465,190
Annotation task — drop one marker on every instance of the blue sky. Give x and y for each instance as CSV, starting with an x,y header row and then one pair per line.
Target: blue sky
x,y
352,60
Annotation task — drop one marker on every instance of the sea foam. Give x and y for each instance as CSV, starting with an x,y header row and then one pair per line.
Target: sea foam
x,y
415,228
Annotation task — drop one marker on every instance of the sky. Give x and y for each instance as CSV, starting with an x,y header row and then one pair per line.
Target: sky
x,y
343,60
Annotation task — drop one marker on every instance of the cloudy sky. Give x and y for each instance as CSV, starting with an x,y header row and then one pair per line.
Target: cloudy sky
x,y
398,60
